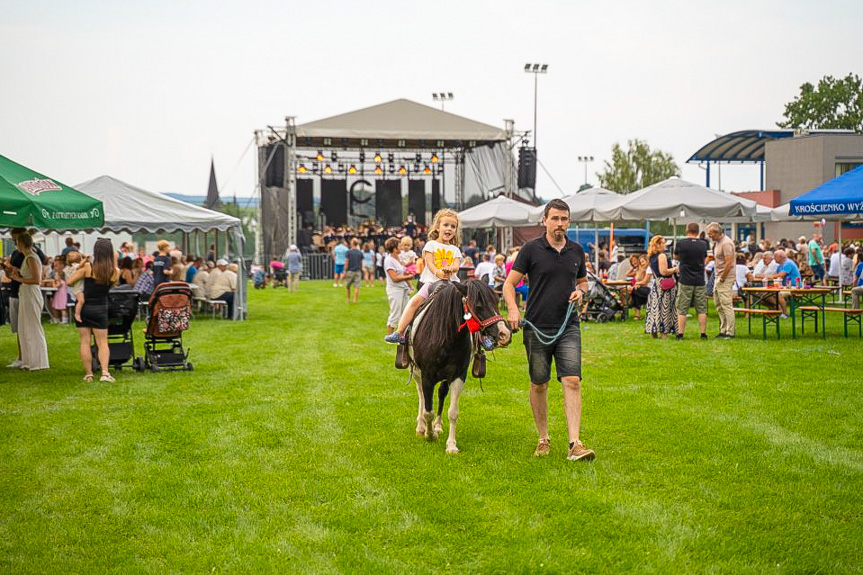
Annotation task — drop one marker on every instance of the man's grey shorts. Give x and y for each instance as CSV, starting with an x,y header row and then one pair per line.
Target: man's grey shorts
x,y
691,296
566,352
353,278
13,314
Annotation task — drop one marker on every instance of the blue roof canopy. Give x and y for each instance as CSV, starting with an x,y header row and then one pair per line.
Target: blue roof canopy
x,y
745,146
842,195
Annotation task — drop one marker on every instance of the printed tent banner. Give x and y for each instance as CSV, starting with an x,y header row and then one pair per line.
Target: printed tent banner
x,y
839,196
30,199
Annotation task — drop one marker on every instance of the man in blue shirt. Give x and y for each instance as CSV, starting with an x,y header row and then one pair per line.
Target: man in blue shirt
x,y
789,273
339,253
787,270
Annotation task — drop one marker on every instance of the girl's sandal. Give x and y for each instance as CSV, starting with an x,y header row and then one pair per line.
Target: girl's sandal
x,y
88,378
106,377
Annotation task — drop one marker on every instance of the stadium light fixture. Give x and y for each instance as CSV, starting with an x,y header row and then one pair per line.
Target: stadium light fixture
x,y
536,70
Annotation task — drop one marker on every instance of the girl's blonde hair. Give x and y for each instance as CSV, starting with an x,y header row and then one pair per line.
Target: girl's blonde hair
x,y
657,246
434,231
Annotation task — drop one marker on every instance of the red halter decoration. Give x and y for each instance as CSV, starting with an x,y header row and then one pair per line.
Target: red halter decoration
x,y
472,324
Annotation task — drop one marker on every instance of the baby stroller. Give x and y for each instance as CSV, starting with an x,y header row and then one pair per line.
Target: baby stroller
x,y
600,305
170,314
280,274
122,311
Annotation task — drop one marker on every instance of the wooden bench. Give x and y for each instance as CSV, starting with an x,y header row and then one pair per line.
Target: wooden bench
x,y
220,305
768,317
849,316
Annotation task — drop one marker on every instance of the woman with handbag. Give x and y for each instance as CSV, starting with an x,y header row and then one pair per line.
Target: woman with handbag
x,y
661,317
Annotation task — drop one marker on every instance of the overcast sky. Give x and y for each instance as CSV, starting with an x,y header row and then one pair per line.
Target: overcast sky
x,y
148,91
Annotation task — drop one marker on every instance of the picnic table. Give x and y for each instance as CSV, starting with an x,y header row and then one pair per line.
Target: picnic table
x,y
622,289
815,296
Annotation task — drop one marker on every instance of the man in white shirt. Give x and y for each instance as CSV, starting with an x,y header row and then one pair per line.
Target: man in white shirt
x,y
835,265
485,267
766,267
202,278
223,285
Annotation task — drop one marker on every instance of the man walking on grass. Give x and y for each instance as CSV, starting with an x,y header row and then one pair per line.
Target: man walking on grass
x,y
816,257
556,268
354,269
723,287
691,252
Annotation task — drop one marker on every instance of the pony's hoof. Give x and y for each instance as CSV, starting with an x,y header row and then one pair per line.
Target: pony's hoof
x,y
421,433
430,435
452,449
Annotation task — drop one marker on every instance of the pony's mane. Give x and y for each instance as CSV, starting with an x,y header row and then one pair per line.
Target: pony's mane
x,y
481,295
443,316
445,311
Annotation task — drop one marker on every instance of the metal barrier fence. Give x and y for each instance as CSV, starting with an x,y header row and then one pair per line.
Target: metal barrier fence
x,y
317,267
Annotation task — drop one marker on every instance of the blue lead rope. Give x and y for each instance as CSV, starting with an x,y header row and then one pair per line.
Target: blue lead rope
x,y
543,337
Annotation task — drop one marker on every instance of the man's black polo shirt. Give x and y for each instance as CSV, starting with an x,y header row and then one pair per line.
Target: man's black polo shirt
x,y
552,276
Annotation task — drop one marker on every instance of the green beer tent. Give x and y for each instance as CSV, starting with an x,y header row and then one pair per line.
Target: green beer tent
x,y
29,199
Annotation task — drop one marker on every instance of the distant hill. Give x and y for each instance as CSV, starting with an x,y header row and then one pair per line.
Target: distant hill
x,y
199,200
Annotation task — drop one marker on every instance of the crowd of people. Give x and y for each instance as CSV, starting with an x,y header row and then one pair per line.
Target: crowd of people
x,y
74,287
721,270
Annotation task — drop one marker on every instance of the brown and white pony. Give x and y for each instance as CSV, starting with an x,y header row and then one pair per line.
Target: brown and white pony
x,y
441,346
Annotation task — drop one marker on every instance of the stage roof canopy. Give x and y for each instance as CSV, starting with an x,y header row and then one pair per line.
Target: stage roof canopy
x,y
400,123
746,146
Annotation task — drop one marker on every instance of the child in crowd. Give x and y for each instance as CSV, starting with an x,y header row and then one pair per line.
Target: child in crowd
x,y
61,296
369,264
380,257
499,272
74,274
407,255
441,257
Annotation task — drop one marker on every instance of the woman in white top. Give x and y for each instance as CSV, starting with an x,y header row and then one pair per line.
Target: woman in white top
x,y
398,284
34,349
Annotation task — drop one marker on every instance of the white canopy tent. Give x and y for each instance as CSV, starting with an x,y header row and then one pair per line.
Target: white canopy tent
x,y
583,205
135,210
674,199
496,212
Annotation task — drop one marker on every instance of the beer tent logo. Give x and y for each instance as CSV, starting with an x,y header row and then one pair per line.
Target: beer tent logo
x,y
37,186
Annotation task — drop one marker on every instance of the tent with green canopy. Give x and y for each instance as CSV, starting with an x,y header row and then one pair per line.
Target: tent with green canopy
x,y
30,199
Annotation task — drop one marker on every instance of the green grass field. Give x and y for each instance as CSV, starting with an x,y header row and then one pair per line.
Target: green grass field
x,y
291,449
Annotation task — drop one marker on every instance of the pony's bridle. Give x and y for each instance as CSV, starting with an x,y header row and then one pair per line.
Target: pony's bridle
x,y
471,320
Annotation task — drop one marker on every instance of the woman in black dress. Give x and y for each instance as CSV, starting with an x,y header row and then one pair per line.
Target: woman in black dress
x,y
91,311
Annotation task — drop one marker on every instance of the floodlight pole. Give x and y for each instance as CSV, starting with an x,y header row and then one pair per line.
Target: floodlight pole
x,y
443,98
536,70
585,160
